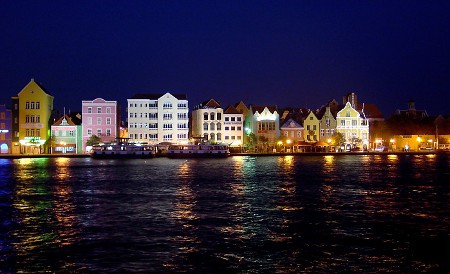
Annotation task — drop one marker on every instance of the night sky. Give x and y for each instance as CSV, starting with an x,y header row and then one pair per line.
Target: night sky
x,y
284,53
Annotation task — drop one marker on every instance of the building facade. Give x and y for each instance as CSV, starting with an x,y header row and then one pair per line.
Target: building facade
x,y
32,109
327,125
311,125
100,118
5,130
158,118
233,127
208,122
353,126
66,136
264,123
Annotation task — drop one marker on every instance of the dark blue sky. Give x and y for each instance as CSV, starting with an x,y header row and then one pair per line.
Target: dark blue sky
x,y
285,53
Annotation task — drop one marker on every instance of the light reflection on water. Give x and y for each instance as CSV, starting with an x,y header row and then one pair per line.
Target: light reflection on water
x,y
309,214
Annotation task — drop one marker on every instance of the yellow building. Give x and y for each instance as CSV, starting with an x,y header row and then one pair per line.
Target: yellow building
x,y
311,126
32,110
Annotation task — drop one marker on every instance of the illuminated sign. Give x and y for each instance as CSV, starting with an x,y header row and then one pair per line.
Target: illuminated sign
x,y
4,131
32,138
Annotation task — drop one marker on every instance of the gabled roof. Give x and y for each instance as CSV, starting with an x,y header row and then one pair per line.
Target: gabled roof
x,y
371,111
211,103
291,123
156,96
231,110
32,81
68,119
260,109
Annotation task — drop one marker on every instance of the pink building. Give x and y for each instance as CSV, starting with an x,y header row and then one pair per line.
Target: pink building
x,y
100,118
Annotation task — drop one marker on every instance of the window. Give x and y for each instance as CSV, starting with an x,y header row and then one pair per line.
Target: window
x,y
182,105
27,105
299,134
322,132
314,127
27,132
212,126
153,125
167,116
347,114
238,119
71,133
311,118
167,105
205,116
27,119
354,123
219,116
327,122
227,128
219,126
212,116
153,115
38,105
233,119
108,110
38,119
308,127
99,132
89,109
233,128
32,119
343,123
89,120
99,110
227,137
167,126
205,126
108,132
89,132
32,105
108,121
153,105
227,119
99,121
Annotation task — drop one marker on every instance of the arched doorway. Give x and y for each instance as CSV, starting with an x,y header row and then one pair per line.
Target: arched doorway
x,y
4,149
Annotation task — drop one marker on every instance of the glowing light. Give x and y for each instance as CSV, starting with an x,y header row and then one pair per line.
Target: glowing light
x,y
289,141
392,140
419,139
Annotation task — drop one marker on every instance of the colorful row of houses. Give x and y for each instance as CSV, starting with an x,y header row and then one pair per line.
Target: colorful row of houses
x,y
32,126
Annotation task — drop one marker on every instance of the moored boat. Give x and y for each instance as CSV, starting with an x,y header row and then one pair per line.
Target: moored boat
x,y
198,151
123,151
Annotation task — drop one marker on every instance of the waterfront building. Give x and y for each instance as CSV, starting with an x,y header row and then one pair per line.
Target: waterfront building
x,y
311,125
354,126
293,133
67,135
233,127
32,109
5,130
327,125
158,118
207,122
100,118
264,123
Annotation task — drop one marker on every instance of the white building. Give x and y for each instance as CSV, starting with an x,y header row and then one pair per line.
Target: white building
x,y
233,127
207,122
157,118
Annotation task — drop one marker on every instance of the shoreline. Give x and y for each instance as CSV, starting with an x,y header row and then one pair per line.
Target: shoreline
x,y
18,156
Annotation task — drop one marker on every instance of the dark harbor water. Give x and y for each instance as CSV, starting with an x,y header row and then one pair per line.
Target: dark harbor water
x,y
277,214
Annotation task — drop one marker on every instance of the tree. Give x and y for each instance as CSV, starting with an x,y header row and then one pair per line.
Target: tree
x,y
93,140
338,138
